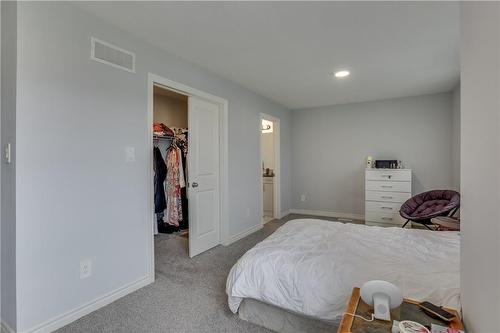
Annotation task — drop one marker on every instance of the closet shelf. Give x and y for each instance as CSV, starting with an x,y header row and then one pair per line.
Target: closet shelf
x,y
164,137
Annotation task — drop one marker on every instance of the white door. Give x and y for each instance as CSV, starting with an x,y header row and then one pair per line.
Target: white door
x,y
203,174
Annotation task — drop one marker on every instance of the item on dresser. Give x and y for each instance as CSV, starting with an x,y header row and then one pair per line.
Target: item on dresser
x,y
369,162
386,164
385,191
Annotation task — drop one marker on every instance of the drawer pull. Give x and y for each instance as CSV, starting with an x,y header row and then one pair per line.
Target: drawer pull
x,y
386,176
386,186
390,208
386,197
387,218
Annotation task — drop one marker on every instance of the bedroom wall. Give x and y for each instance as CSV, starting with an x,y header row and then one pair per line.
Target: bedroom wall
x,y
76,196
455,137
480,166
330,145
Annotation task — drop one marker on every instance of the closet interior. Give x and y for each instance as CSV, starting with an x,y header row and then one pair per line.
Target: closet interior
x,y
170,156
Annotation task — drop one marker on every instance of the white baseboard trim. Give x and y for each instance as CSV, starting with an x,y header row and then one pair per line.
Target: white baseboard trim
x,y
5,328
72,315
284,213
243,234
328,214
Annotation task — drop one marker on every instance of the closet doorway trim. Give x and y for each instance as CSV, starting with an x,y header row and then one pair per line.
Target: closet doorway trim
x,y
223,158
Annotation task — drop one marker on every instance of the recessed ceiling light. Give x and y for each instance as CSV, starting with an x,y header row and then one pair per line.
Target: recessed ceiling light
x,y
341,74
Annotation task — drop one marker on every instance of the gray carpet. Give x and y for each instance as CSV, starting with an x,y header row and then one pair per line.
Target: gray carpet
x,y
187,296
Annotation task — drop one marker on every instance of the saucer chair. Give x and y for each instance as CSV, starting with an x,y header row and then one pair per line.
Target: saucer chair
x,y
427,205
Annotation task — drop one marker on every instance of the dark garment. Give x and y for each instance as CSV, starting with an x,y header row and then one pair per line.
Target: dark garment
x,y
165,228
160,175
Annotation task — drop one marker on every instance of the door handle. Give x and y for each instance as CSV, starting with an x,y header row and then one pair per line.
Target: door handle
x,y
194,184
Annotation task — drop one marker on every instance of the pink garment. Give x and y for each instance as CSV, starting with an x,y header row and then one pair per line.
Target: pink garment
x,y
173,184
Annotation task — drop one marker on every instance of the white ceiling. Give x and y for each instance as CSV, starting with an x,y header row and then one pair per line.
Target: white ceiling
x,y
287,51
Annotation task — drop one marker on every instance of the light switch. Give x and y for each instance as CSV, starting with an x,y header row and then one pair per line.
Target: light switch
x,y
8,154
130,154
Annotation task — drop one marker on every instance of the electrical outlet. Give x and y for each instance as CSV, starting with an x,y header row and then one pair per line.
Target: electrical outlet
x,y
85,268
302,197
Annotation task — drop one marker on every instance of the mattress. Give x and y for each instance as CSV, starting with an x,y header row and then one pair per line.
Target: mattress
x,y
283,321
310,266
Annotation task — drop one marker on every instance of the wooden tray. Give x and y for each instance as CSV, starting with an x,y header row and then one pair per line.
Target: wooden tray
x,y
409,310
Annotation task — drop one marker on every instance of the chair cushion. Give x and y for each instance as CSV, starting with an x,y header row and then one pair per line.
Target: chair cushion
x,y
430,204
430,207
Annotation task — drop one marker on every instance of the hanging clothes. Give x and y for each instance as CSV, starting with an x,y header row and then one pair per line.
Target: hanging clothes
x,y
174,183
160,171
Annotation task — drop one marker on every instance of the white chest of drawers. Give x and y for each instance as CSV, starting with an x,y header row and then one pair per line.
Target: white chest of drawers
x,y
385,191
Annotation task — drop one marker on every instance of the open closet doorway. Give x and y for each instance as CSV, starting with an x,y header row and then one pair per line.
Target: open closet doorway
x,y
188,134
270,167
170,152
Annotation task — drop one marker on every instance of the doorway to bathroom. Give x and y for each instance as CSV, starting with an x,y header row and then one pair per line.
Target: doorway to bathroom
x,y
270,167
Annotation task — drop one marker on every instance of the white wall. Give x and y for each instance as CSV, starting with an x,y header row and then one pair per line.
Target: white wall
x,y
8,176
77,198
268,150
455,137
480,166
330,145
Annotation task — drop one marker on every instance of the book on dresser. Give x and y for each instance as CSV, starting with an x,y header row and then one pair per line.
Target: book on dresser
x,y
385,191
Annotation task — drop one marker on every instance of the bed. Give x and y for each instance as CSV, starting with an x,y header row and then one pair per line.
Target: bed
x,y
303,274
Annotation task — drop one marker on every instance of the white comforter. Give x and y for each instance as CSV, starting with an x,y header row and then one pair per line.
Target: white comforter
x,y
310,266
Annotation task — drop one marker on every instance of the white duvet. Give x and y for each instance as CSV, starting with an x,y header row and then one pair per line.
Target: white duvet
x,y
310,266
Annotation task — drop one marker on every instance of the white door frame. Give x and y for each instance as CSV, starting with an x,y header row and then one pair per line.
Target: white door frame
x,y
223,158
277,166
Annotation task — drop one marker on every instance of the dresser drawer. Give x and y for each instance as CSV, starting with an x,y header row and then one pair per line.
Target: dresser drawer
x,y
389,174
382,207
386,218
387,196
382,185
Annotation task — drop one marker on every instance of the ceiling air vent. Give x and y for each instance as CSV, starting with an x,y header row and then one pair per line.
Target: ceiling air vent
x,y
112,55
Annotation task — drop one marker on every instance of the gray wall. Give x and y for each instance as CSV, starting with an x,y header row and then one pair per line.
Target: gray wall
x,y
77,198
330,145
8,189
480,166
455,137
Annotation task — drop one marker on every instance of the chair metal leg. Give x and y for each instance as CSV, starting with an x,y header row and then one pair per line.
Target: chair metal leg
x,y
404,225
453,212
428,227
